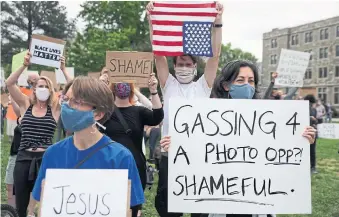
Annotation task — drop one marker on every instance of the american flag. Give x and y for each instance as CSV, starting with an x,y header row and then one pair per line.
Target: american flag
x,y
183,28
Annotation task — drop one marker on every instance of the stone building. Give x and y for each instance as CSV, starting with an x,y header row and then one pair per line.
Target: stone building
x,y
321,39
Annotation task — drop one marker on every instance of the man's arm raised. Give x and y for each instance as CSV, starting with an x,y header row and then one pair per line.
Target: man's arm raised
x,y
160,61
213,62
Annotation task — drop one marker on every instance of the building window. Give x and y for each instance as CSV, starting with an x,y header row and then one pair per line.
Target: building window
x,y
337,50
274,43
308,37
323,52
322,93
324,34
336,71
336,95
295,40
308,74
323,72
309,51
337,31
273,59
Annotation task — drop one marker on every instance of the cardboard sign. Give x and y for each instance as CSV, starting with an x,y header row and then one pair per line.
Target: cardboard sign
x,y
60,78
85,192
94,75
239,156
4,99
51,76
328,131
46,51
292,67
132,67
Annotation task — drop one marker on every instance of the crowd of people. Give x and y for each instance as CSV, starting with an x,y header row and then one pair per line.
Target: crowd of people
x,y
106,125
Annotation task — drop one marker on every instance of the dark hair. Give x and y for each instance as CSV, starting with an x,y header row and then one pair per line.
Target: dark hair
x,y
194,59
228,74
310,98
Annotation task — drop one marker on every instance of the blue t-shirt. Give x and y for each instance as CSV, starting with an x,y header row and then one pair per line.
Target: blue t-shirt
x,y
64,155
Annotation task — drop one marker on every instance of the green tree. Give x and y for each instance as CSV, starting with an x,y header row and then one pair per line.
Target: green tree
x,y
21,19
110,26
228,54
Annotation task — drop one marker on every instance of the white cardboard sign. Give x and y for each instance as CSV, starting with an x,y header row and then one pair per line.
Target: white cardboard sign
x,y
292,67
239,156
328,131
60,78
46,53
85,193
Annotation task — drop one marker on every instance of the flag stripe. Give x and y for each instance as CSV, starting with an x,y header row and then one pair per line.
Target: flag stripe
x,y
168,43
167,38
182,18
168,48
167,23
167,33
166,53
197,14
167,28
191,10
166,5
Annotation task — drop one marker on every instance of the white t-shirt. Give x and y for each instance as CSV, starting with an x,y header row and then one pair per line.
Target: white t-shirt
x,y
173,88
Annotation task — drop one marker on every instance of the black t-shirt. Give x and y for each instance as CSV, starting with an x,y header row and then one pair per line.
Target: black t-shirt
x,y
16,141
136,118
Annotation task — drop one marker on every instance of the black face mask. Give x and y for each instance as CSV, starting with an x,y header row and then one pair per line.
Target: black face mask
x,y
277,97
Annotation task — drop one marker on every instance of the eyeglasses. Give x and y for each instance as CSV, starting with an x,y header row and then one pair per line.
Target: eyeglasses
x,y
72,101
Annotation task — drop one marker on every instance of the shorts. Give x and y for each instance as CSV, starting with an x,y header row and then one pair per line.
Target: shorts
x,y
9,180
11,124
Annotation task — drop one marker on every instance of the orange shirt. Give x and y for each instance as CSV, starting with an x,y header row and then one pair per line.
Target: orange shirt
x,y
26,91
10,115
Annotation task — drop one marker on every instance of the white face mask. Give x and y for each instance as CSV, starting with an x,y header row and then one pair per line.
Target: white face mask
x,y
185,75
42,93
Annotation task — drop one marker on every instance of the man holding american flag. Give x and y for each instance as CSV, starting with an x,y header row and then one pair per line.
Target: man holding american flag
x,y
183,30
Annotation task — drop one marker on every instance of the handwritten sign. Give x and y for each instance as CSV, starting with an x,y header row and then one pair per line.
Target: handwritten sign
x,y
239,156
46,51
133,67
85,193
60,78
328,131
292,67
51,76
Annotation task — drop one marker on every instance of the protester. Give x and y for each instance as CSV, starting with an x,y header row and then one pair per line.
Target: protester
x,y
321,111
238,80
275,94
3,115
152,135
11,120
39,113
135,117
183,85
314,122
329,113
87,104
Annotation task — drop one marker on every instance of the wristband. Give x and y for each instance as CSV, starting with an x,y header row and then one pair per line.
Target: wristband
x,y
154,93
217,25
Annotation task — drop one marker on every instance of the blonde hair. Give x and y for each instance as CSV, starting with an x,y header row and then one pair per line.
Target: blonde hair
x,y
52,96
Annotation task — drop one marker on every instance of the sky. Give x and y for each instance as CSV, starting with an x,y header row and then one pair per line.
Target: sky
x,y
245,21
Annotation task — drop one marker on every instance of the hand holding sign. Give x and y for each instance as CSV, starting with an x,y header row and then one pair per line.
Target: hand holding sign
x,y
153,83
27,59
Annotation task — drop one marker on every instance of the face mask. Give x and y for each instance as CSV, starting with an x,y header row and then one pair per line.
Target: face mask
x,y
42,93
75,120
122,90
244,91
185,75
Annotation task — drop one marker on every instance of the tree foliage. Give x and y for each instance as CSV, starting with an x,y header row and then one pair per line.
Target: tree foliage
x,y
21,19
110,26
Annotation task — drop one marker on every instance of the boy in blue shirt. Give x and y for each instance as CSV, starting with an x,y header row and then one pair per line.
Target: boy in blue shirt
x,y
86,103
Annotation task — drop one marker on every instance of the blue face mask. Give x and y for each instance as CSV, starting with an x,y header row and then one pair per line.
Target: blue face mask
x,y
75,120
243,91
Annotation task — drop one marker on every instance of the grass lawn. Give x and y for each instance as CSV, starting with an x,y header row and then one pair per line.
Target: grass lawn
x,y
325,185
